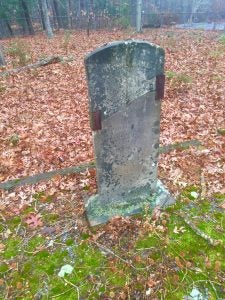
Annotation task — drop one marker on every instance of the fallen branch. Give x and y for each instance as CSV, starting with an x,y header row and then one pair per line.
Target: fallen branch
x,y
40,63
210,240
179,146
11,184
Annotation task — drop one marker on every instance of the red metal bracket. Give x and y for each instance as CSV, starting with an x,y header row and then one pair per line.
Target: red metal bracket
x,y
96,120
160,84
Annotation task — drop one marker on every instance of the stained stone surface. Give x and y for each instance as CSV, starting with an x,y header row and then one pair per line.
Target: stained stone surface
x,y
125,117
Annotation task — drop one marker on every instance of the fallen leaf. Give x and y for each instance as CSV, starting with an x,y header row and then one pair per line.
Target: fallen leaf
x,y
2,281
123,296
2,247
34,220
175,278
7,233
217,266
188,264
178,262
151,283
19,285
164,222
137,258
222,205
156,213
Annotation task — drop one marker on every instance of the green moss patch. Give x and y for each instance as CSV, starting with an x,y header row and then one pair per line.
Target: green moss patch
x,y
169,257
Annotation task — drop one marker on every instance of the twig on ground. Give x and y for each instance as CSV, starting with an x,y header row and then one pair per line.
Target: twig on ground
x,y
75,286
66,231
203,186
56,296
211,283
18,227
210,240
109,251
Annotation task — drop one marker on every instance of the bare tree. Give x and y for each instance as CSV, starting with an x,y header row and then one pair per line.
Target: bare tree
x,y
46,19
138,21
2,57
57,12
69,9
41,14
195,6
218,9
27,16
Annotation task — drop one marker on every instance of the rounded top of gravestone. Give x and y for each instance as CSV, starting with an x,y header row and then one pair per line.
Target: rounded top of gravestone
x,y
123,44
120,72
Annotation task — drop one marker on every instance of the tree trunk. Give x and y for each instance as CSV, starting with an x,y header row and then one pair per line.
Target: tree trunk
x,y
78,8
41,14
27,17
59,20
88,17
23,24
55,24
9,27
191,18
2,57
46,19
70,13
133,16
138,20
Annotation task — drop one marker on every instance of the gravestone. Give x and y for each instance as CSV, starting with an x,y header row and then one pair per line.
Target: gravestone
x,y
126,86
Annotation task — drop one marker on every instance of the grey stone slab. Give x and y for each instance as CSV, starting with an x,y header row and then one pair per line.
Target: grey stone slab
x,y
124,100
99,212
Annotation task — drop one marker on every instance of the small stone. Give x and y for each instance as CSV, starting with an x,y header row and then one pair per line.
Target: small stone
x,y
148,292
66,269
194,195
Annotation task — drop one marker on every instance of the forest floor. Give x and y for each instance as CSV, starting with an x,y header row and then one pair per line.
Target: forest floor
x,y
45,126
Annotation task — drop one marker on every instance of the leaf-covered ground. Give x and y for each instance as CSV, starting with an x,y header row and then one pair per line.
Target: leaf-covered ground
x,y
45,125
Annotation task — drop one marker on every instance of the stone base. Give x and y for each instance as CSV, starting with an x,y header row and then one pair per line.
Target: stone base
x,y
99,212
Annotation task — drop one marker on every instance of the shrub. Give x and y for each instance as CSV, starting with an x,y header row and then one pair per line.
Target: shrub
x,y
222,39
179,77
169,18
66,39
152,21
179,81
20,52
123,22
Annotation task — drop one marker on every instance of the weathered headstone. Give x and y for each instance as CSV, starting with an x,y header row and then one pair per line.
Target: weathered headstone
x,y
126,85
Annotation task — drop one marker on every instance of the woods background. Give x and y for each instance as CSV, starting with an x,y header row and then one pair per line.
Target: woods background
x,y
23,17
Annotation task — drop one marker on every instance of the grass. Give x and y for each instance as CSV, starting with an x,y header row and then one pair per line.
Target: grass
x,y
20,52
179,77
167,258
14,139
222,39
179,81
